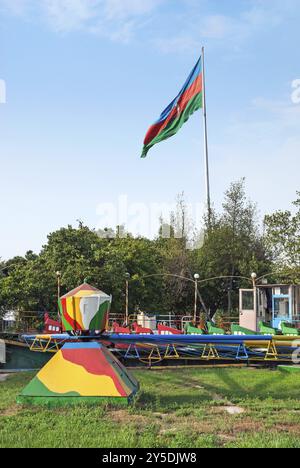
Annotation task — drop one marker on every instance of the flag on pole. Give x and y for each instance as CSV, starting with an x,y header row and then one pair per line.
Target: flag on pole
x,y
188,101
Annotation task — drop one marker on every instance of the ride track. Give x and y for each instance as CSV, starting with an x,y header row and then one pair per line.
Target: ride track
x,y
154,349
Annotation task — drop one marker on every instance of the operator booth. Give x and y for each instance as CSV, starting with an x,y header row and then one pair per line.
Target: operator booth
x,y
274,304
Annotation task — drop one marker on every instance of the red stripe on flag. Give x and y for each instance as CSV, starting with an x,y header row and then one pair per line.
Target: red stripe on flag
x,y
192,91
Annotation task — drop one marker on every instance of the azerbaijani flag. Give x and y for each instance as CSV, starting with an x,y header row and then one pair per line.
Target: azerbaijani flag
x,y
188,101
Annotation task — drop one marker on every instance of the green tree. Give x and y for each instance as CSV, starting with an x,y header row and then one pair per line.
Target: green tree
x,y
233,247
27,285
176,260
283,240
142,260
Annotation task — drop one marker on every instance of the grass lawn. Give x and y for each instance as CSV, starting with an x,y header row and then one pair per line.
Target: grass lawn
x,y
184,408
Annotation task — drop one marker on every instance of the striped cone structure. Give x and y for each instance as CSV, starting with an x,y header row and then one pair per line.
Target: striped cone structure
x,y
81,373
84,308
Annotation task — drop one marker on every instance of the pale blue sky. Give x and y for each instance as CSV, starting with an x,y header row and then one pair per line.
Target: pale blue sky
x,y
86,78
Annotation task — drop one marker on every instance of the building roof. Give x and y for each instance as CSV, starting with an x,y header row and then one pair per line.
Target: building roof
x,y
82,289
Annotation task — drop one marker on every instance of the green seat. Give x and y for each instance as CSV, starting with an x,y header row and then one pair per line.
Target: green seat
x,y
194,331
213,330
289,330
237,330
266,329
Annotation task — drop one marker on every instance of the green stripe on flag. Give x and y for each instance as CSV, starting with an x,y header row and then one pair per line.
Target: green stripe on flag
x,y
195,104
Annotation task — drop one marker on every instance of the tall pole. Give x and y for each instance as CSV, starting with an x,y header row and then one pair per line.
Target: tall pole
x,y
58,274
195,305
207,178
127,276
196,277
127,311
254,279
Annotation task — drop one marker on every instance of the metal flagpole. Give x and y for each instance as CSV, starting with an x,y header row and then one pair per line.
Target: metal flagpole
x,y
207,179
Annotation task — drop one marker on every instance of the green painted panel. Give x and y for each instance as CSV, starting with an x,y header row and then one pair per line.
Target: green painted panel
x,y
99,321
71,401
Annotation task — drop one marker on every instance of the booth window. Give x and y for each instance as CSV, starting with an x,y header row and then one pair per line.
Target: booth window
x,y
281,307
248,300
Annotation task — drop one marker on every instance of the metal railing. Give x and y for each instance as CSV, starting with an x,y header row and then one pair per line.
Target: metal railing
x,y
226,322
26,321
120,318
169,320
185,320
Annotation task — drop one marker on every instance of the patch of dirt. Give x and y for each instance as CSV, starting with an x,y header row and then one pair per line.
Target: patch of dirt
x,y
233,410
288,428
3,377
11,411
247,425
167,422
187,425
226,430
217,397
169,430
230,427
122,416
226,438
230,408
161,415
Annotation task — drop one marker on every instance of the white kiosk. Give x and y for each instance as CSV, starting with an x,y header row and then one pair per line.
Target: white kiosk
x,y
271,303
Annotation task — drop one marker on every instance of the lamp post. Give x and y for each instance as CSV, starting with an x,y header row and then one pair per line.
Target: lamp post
x,y
127,277
254,277
196,278
58,276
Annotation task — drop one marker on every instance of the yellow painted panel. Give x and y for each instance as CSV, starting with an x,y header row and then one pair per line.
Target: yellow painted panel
x,y
85,294
73,309
62,376
278,339
76,302
257,344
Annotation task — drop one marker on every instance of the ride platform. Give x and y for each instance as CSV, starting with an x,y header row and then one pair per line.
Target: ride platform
x,y
81,373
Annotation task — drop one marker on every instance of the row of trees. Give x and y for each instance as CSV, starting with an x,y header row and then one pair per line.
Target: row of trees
x,y
233,245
